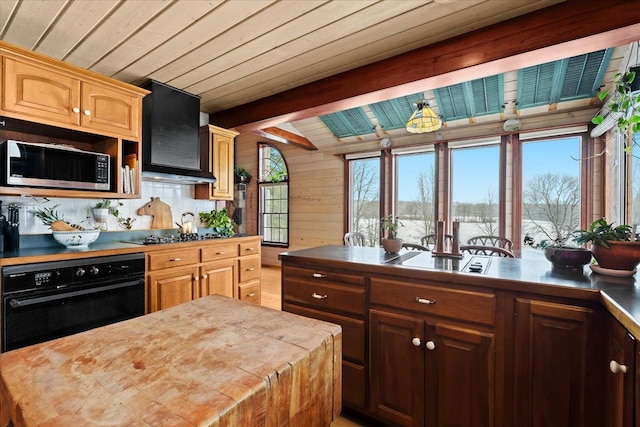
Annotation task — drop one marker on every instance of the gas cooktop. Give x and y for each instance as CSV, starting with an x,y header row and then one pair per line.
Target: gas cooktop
x,y
178,238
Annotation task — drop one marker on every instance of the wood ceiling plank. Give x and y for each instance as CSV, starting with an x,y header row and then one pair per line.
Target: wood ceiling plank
x,y
7,10
374,43
158,30
73,25
228,15
27,25
284,26
124,21
239,44
569,28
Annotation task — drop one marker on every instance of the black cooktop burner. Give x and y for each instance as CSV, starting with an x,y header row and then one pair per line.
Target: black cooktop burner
x,y
157,239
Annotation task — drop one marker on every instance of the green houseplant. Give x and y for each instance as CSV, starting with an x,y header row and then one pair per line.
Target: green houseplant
x,y
611,245
241,174
219,221
624,104
389,226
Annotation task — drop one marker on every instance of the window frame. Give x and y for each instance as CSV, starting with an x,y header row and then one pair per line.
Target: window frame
x,y
262,187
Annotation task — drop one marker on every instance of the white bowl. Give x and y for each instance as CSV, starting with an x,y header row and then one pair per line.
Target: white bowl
x,y
76,239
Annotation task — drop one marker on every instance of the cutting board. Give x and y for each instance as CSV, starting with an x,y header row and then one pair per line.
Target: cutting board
x,y
160,211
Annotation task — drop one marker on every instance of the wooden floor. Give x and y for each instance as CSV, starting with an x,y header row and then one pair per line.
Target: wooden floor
x,y
272,297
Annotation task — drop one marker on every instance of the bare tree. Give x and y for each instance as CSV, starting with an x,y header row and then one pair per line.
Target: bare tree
x,y
365,184
552,206
425,202
487,215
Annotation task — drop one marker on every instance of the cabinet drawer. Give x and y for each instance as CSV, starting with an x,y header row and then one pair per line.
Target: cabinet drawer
x,y
352,330
320,275
219,251
175,258
250,292
477,307
319,294
250,248
249,268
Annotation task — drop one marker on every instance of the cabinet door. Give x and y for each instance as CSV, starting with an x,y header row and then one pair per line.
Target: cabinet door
x,y
550,364
172,287
33,91
110,110
222,163
619,389
460,380
218,278
397,368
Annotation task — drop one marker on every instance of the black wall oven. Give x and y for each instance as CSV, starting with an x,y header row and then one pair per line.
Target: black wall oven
x,y
43,301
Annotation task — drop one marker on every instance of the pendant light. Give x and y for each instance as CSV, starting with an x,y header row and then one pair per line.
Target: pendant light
x,y
423,119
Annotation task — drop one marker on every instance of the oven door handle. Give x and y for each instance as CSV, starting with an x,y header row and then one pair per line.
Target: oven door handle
x,y
24,302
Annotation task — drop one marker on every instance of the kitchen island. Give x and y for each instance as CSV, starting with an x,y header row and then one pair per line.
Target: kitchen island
x,y
210,362
476,341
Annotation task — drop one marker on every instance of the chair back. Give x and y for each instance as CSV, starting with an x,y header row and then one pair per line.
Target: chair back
x,y
487,250
497,241
414,247
429,241
354,239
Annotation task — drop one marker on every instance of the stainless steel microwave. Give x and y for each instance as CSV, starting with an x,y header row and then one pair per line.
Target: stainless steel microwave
x,y
50,165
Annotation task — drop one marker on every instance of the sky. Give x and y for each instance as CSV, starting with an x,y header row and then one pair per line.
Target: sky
x,y
475,170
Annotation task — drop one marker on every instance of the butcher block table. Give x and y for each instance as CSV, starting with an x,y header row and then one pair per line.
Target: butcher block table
x,y
214,361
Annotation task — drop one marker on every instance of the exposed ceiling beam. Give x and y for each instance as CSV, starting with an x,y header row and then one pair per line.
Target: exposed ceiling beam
x,y
286,137
571,28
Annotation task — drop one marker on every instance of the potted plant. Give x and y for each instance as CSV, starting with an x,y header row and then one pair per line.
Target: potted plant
x,y
389,225
106,207
242,175
611,246
624,104
559,253
219,221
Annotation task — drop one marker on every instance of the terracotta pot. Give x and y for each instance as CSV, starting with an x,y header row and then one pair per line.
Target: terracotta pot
x,y
567,256
392,245
619,255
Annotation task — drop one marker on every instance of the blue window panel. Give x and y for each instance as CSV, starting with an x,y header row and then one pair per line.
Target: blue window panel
x,y
394,113
350,122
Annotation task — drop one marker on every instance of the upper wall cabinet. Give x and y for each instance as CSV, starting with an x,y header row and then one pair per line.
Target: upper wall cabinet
x,y
221,149
36,89
44,100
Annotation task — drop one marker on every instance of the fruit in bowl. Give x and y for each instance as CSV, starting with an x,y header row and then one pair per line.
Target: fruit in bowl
x,y
76,239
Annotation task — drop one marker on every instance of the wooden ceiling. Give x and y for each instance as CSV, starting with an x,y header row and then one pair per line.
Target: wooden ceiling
x,y
253,56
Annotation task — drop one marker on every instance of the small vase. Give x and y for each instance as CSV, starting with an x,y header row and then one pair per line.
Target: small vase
x,y
392,246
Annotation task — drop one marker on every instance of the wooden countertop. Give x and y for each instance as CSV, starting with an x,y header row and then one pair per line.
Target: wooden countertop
x,y
210,362
619,295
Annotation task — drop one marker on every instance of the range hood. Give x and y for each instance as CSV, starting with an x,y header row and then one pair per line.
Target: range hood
x,y
171,146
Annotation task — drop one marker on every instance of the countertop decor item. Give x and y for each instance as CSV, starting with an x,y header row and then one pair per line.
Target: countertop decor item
x,y
160,211
219,221
389,226
242,175
76,239
611,245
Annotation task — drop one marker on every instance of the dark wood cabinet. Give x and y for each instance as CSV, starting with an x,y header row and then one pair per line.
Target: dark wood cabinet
x,y
553,348
620,366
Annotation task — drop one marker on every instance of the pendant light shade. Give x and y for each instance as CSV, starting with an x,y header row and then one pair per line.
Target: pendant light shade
x,y
423,119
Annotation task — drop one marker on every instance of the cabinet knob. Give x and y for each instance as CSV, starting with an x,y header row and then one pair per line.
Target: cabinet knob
x,y
205,277
319,275
615,367
430,345
425,301
87,112
318,296
75,110
196,278
416,341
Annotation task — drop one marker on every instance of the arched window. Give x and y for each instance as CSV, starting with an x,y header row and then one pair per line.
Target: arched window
x,y
273,190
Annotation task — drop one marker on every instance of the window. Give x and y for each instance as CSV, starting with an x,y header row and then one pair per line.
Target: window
x,y
634,183
550,191
364,198
475,174
273,190
415,178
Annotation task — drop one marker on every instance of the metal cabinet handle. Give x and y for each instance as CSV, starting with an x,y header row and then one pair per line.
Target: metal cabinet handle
x,y
615,367
425,301
75,109
250,249
319,275
220,253
252,294
318,296
416,341
250,269
175,259
430,345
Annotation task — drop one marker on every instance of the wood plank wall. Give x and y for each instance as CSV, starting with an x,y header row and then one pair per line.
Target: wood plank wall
x,y
316,201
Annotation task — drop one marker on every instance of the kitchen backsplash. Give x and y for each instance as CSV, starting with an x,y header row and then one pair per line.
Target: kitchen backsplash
x,y
179,197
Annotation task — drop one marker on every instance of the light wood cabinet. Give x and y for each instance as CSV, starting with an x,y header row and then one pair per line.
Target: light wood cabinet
x,y
221,163
48,101
192,270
